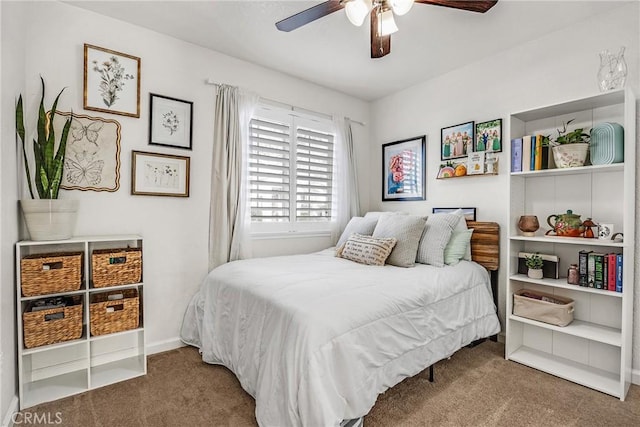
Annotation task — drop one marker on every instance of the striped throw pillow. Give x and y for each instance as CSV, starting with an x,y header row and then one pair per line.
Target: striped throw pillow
x,y
366,249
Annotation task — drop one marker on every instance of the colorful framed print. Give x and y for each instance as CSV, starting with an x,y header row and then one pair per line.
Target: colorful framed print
x,y
170,122
155,174
469,213
489,136
403,169
111,81
456,141
92,159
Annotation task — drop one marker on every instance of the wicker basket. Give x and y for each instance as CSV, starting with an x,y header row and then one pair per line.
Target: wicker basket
x,y
114,315
113,267
50,273
53,325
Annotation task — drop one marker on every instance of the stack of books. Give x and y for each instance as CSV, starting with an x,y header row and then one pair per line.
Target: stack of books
x,y
529,153
600,270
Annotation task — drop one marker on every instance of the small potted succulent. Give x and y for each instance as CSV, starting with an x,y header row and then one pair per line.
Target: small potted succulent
x,y
46,217
534,264
570,148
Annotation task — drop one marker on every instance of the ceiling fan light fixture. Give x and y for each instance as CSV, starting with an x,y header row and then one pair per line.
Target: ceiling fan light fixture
x,y
400,7
357,11
387,23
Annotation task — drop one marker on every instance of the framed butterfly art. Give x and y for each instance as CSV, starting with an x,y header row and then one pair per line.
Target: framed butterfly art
x,y
92,159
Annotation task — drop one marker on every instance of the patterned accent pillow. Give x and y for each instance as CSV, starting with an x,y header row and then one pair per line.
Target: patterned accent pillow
x,y
435,237
366,249
407,230
359,225
457,246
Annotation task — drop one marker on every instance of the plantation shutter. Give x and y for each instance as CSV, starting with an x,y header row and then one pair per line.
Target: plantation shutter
x,y
314,171
269,170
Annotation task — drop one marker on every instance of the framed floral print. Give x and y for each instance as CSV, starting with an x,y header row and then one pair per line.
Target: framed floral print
x,y
403,174
155,174
489,136
111,81
456,141
170,122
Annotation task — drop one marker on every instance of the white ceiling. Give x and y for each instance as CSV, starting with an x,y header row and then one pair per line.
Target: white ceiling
x,y
331,52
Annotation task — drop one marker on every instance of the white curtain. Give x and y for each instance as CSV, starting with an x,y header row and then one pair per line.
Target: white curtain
x,y
345,178
229,219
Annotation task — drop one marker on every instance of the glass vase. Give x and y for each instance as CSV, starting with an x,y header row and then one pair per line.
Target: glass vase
x,y
613,70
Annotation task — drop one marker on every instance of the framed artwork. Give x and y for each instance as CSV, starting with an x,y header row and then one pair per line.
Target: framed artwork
x,y
155,174
489,136
170,122
92,158
111,81
469,213
456,141
403,169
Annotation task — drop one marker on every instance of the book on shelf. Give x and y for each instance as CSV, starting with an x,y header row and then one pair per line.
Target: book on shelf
x,y
611,272
475,163
526,153
538,155
583,268
545,156
600,271
516,155
532,164
619,273
550,263
591,269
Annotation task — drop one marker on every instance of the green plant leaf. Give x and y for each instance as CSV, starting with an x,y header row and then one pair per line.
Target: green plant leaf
x,y
21,134
37,156
59,159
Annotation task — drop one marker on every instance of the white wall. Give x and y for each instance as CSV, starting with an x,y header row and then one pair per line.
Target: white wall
x,y
12,82
175,229
556,67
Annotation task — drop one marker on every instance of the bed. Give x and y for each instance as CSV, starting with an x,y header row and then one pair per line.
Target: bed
x,y
316,338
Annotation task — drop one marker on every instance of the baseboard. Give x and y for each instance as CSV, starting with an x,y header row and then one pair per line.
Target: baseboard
x,y
165,345
7,420
635,376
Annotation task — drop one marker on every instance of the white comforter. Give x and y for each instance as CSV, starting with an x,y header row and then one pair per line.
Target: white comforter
x,y
315,338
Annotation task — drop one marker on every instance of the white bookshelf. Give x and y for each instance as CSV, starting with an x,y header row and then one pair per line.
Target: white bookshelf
x,y
51,372
595,349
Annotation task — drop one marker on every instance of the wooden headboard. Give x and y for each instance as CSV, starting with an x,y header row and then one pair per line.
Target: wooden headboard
x,y
485,244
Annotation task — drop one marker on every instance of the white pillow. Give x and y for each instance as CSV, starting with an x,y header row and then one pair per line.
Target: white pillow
x,y
435,237
377,214
366,249
462,226
457,246
359,225
407,230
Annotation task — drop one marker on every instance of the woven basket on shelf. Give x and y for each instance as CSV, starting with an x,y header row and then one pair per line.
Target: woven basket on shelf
x,y
46,327
109,316
113,267
50,273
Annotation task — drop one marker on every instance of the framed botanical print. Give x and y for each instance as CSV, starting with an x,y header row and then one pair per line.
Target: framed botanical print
x,y
456,141
170,121
489,136
111,81
155,174
403,169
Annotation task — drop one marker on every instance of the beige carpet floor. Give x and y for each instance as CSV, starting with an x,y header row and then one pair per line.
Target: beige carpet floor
x,y
475,387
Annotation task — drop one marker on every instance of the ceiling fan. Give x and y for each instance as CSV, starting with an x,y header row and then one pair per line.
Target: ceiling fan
x,y
381,16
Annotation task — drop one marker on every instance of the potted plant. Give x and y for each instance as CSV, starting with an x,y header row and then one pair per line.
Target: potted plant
x,y
46,217
534,264
570,148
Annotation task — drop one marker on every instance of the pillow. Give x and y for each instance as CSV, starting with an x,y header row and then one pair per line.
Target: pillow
x,y
366,249
457,246
435,237
359,225
462,226
407,230
377,214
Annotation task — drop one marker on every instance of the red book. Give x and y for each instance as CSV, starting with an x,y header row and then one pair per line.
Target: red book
x,y
611,280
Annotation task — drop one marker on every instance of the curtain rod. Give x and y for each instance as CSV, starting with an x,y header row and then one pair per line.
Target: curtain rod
x,y
292,107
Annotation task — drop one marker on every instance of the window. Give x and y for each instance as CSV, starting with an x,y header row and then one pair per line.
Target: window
x,y
291,159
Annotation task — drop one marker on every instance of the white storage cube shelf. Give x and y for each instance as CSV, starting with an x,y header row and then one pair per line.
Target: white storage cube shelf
x,y
59,370
595,349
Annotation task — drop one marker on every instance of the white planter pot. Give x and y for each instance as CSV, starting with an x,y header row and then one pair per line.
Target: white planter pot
x,y
570,155
50,219
535,273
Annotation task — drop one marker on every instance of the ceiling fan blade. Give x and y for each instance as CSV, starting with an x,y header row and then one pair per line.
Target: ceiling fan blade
x,y
309,15
380,45
472,6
